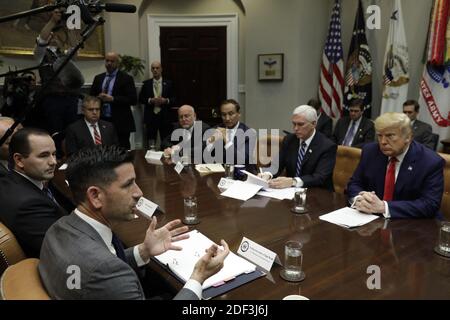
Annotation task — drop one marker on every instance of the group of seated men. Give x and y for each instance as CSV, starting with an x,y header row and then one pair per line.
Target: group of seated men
x,y
397,177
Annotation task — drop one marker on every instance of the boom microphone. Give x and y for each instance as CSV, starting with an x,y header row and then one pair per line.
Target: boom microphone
x,y
114,7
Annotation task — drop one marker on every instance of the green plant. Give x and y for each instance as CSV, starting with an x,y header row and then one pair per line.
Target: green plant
x,y
132,65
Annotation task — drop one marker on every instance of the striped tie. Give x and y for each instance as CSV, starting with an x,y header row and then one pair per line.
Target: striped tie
x,y
97,138
301,156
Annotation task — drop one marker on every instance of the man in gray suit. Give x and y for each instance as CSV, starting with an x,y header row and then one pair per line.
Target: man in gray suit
x,y
421,130
82,259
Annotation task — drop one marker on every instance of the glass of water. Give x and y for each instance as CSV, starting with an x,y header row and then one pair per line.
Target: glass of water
x,y
444,238
293,260
190,210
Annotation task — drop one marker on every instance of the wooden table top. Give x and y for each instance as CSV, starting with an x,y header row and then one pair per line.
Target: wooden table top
x,y
335,259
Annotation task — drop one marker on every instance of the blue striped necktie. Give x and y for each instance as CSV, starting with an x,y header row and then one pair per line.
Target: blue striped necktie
x,y
49,194
350,134
300,157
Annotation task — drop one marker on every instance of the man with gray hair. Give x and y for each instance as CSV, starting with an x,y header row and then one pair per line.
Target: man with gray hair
x,y
307,155
397,177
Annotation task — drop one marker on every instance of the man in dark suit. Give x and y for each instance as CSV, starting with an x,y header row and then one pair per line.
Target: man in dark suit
x,y
187,137
397,177
354,130
307,155
422,131
28,208
157,96
117,91
324,122
232,142
5,124
103,183
90,131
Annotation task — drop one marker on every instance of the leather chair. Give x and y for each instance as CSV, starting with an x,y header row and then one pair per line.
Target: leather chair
x,y
445,203
22,282
266,148
347,159
10,250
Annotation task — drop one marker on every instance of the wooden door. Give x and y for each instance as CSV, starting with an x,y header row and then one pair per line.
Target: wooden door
x,y
194,58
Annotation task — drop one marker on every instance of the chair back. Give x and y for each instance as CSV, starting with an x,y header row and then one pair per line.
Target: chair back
x,y
347,159
22,282
445,203
10,250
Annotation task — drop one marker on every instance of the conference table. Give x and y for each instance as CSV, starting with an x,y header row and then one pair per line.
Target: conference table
x,y
338,262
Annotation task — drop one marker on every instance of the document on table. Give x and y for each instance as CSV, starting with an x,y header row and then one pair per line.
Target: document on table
x,y
209,168
241,190
251,178
348,217
182,262
280,194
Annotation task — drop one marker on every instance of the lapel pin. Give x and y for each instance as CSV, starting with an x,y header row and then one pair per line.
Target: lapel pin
x,y
410,168
310,151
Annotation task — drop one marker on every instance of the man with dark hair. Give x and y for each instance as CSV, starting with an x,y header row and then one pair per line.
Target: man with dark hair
x,y
103,183
90,131
28,207
117,91
233,139
324,122
422,131
354,130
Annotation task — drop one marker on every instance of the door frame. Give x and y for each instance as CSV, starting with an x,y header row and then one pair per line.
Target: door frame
x,y
230,21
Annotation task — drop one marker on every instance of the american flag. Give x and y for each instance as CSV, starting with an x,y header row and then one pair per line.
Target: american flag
x,y
332,82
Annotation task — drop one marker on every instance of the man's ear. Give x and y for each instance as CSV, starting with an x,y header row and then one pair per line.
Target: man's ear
x,y
95,196
18,160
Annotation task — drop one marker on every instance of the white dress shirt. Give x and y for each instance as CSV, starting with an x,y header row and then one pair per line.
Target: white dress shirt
x,y
91,129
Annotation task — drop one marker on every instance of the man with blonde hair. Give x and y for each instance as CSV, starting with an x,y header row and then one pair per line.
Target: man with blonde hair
x,y
397,177
307,155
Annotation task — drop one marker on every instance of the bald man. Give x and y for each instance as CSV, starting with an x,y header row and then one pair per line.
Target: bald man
x,y
188,132
157,96
5,124
117,92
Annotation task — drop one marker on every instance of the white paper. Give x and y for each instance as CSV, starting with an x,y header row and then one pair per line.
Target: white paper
x,y
241,190
209,168
154,156
348,217
280,194
182,262
224,184
63,167
251,178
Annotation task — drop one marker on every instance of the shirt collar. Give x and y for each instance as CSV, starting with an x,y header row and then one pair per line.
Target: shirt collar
x,y
308,141
357,122
112,74
90,124
401,156
37,183
104,231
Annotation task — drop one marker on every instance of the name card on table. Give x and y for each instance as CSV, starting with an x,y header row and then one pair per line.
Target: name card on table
x,y
259,255
179,167
154,157
146,207
224,184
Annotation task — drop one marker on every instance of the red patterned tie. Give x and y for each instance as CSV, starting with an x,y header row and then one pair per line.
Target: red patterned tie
x,y
389,181
97,138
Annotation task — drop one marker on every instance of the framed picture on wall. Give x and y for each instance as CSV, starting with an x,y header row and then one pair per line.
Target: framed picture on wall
x,y
18,37
270,67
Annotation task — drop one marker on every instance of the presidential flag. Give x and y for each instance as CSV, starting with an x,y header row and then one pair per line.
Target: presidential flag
x,y
396,64
434,97
331,84
358,77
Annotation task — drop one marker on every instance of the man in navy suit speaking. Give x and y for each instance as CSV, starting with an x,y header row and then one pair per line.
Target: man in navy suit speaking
x,y
397,177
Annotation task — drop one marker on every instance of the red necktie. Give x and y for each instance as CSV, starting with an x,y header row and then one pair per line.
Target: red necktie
x,y
389,181
97,138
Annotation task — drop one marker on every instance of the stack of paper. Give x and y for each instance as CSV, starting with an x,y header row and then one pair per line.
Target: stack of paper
x,y
182,262
209,168
348,217
154,156
241,190
280,194
251,178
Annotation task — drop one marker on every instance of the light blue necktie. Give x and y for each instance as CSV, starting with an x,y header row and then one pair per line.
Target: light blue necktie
x,y
350,134
107,112
301,156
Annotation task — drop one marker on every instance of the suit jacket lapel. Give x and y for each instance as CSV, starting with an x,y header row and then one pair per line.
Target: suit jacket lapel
x,y
87,133
406,171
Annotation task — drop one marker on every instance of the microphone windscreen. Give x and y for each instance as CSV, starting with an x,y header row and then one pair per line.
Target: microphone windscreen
x,y
118,7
